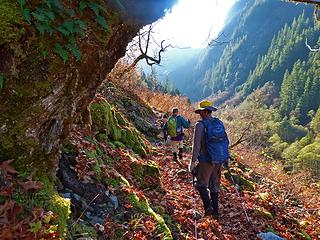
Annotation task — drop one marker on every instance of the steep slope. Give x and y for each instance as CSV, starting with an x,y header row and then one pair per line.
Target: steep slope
x,y
285,49
53,56
152,198
250,27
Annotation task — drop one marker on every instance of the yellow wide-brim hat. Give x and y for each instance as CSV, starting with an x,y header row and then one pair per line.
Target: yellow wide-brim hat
x,y
205,104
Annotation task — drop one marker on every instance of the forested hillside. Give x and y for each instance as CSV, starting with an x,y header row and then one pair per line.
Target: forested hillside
x,y
82,151
265,73
253,32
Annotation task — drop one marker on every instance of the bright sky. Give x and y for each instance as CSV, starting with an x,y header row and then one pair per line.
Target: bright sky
x,y
191,21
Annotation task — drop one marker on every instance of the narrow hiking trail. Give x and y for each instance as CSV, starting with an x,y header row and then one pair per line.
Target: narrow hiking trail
x,y
179,202
265,211
157,202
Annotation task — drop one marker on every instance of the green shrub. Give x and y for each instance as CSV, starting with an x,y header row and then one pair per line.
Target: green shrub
x,y
277,146
290,132
309,157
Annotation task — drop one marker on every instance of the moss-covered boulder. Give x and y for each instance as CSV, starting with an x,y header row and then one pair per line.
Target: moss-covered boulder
x,y
137,111
147,174
107,120
141,204
241,181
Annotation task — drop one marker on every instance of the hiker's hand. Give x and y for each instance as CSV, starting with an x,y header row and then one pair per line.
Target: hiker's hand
x,y
192,165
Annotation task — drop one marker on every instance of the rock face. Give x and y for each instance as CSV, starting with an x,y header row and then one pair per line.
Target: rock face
x,y
42,96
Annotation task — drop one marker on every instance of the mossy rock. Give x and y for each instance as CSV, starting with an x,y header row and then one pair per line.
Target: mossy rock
x,y
174,227
140,150
265,213
120,119
82,230
106,120
10,18
148,175
144,206
119,144
116,134
49,199
241,181
102,117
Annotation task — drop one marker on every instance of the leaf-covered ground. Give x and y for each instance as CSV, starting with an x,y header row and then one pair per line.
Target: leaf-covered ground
x,y
157,202
273,200
268,203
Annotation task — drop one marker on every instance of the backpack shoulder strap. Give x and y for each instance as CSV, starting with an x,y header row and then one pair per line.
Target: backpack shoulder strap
x,y
218,120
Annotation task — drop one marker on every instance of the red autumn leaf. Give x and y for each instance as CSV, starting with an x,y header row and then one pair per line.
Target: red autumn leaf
x,y
7,168
6,233
6,192
31,185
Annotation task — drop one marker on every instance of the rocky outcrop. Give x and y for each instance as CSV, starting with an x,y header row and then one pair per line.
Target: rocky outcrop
x,y
138,112
42,96
44,89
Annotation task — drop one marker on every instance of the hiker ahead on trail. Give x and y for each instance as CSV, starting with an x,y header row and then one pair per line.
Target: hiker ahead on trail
x,y
174,127
210,150
163,122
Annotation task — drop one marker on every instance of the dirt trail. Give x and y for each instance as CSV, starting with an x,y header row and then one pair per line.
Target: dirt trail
x,y
178,201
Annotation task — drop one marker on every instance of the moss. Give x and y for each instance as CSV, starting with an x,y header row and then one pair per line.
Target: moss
x,y
265,213
46,198
112,145
119,144
11,22
241,181
102,137
82,230
32,141
49,199
147,174
61,207
168,220
106,120
143,205
101,117
129,137
116,133
140,150
97,170
120,119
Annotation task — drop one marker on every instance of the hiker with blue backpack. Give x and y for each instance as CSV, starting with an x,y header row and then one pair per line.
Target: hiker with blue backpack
x,y
174,127
209,153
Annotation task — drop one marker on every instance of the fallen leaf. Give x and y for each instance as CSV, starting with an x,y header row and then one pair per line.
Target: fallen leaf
x,y
31,185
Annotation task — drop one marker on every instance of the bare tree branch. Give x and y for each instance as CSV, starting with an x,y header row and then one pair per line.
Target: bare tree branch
x,y
144,52
312,49
317,2
216,41
242,138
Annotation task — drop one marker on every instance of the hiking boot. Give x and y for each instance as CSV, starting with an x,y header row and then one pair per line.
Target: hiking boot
x,y
208,211
175,158
206,200
180,153
215,204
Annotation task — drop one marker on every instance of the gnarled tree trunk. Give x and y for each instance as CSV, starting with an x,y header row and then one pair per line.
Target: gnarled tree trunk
x,y
42,96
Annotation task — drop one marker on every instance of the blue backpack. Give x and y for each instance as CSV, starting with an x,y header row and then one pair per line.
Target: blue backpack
x,y
216,140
